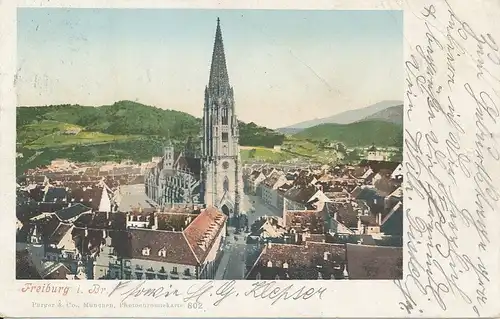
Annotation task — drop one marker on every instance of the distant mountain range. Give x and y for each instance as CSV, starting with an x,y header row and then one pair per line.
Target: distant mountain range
x,y
393,114
362,133
388,111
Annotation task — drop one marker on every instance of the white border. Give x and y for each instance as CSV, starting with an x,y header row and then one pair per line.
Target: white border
x,y
342,298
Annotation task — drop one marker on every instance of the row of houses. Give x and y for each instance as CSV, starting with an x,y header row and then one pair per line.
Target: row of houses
x,y
303,188
336,223
83,226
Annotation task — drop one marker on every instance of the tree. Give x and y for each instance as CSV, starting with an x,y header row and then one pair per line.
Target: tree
x,y
341,148
354,155
252,153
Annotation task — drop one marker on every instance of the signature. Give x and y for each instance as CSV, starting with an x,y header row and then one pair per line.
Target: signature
x,y
218,291
450,161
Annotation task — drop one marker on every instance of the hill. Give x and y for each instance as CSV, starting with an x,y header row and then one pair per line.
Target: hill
x,y
346,117
121,118
127,118
393,114
123,130
356,134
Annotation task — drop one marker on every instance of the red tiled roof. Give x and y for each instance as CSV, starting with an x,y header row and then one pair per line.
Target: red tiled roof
x,y
203,229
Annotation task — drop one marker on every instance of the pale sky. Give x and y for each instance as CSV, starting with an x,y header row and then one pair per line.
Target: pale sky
x,y
285,66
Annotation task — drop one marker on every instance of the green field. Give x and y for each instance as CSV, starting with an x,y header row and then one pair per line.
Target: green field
x,y
57,140
264,154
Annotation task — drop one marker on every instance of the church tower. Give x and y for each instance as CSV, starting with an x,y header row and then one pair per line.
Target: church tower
x,y
220,151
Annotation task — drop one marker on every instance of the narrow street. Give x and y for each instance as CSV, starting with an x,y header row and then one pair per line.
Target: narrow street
x,y
260,208
232,265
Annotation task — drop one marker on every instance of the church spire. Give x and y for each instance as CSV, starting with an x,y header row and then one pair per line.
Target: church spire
x,y
219,80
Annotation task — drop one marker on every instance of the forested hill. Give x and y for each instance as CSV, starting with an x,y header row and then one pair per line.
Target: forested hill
x,y
127,118
365,133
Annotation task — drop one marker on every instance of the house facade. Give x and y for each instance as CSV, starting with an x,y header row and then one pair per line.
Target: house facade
x,y
270,188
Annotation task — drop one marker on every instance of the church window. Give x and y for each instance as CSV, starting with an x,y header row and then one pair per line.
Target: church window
x,y
225,137
224,116
226,184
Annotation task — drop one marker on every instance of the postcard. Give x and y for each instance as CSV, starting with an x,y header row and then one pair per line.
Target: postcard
x,y
212,159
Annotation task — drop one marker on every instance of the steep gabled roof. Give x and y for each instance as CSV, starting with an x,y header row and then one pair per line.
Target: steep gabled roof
x,y
71,212
202,231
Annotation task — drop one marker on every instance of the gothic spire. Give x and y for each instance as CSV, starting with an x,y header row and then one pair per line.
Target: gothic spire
x,y
219,80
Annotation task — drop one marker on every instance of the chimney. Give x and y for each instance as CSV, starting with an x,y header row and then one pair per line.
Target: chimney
x,y
86,232
379,217
303,237
284,209
345,273
155,223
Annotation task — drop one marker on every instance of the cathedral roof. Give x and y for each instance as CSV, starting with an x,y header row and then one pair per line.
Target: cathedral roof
x,y
219,79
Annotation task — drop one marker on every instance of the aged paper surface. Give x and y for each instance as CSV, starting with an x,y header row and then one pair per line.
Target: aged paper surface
x,y
214,159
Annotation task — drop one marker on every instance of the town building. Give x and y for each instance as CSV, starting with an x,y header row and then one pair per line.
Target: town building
x,y
182,244
270,188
